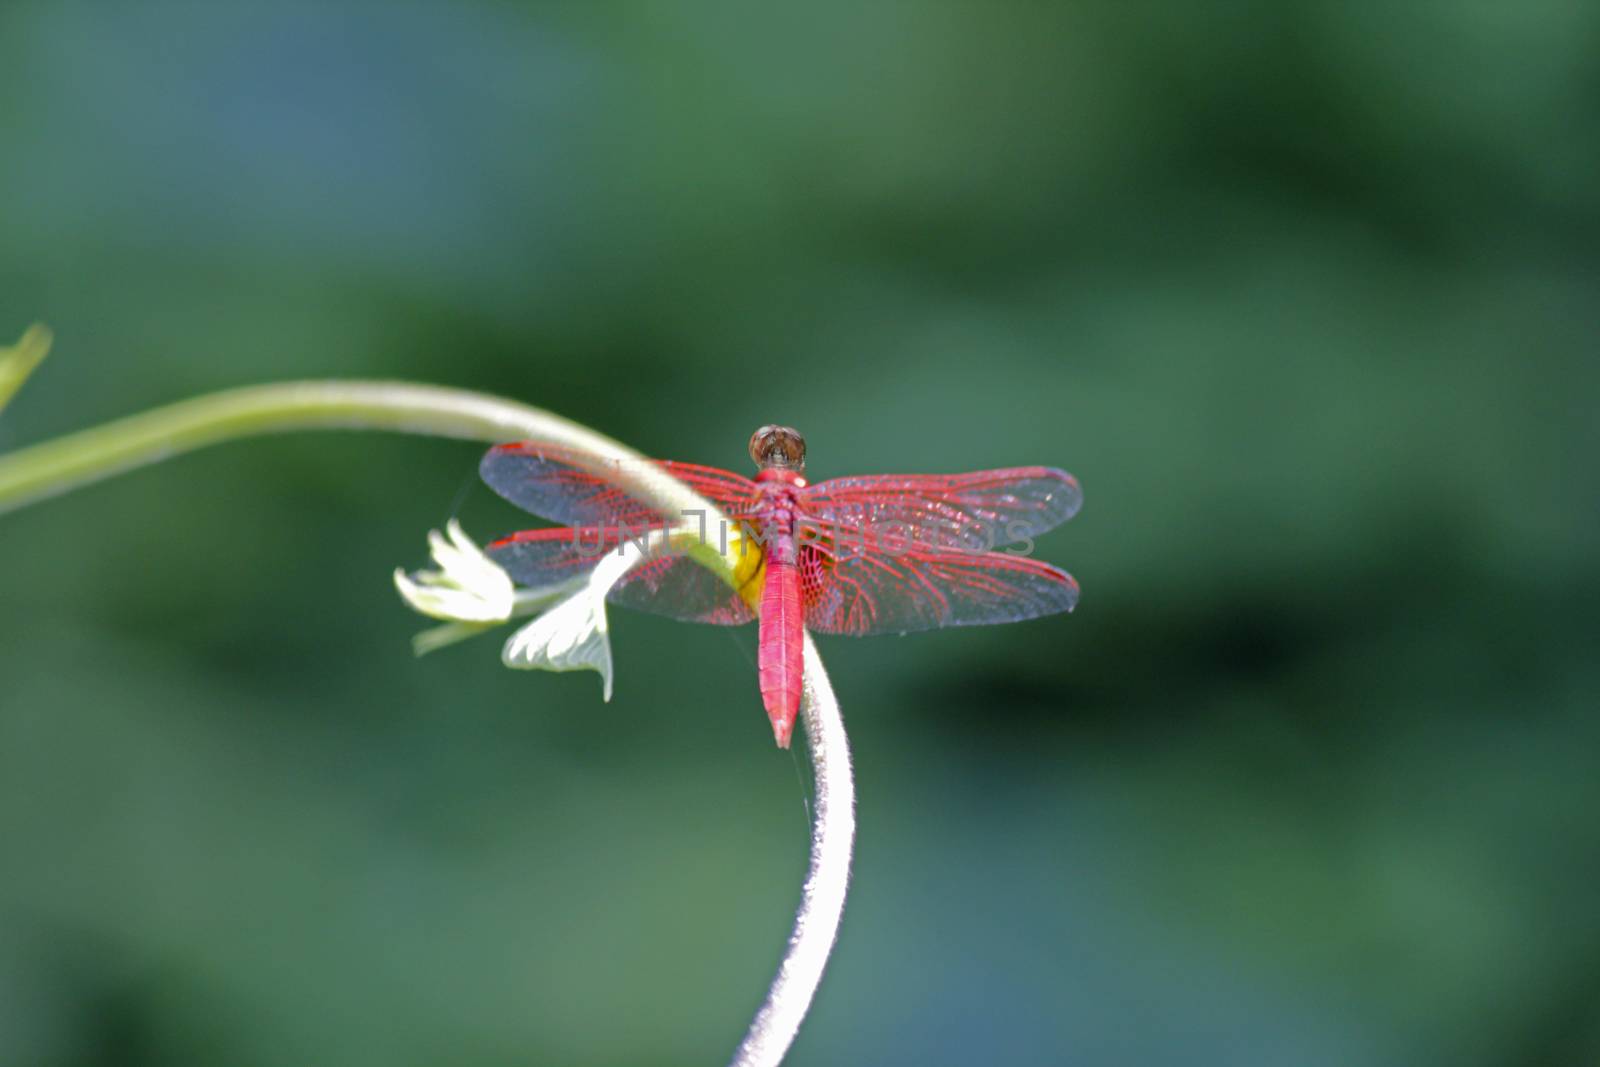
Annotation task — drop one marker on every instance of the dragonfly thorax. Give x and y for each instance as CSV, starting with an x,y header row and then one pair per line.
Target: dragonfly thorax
x,y
781,476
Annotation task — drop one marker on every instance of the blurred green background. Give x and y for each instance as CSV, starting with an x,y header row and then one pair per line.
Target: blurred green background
x,y
1305,294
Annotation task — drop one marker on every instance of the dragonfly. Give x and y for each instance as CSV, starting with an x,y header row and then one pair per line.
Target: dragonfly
x,y
870,554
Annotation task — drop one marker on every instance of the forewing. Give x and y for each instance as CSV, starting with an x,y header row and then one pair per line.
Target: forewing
x,y
974,512
672,585
861,591
548,481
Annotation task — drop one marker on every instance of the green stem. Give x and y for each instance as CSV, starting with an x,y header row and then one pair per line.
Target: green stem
x,y
57,466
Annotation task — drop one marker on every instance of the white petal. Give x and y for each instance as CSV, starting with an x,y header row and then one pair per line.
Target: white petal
x,y
467,565
467,587
572,635
565,638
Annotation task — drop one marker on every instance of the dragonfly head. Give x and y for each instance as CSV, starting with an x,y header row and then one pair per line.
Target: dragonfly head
x,y
778,446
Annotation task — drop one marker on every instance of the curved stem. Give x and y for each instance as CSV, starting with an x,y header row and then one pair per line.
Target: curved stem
x,y
833,833
43,470
40,471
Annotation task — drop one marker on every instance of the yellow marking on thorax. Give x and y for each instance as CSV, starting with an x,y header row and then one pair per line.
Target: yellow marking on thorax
x,y
750,573
742,565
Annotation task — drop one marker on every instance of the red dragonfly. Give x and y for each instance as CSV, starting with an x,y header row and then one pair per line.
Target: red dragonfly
x,y
874,554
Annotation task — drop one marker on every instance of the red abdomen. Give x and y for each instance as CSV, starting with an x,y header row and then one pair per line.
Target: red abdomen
x,y
782,631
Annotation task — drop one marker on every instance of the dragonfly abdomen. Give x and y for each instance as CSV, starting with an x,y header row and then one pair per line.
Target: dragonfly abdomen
x,y
778,660
782,623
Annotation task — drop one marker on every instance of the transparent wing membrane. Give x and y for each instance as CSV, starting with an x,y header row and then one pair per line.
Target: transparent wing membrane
x,y
672,585
548,481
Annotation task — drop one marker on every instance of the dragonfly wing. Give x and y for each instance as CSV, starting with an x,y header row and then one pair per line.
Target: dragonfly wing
x,y
671,585
550,482
975,512
861,591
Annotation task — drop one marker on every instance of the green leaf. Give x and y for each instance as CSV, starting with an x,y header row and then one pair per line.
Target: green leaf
x,y
19,360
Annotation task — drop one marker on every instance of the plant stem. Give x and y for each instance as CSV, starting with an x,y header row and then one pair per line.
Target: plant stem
x,y
822,901
78,459
40,471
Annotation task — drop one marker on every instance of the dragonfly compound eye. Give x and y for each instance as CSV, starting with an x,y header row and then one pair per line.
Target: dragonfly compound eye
x,y
778,446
